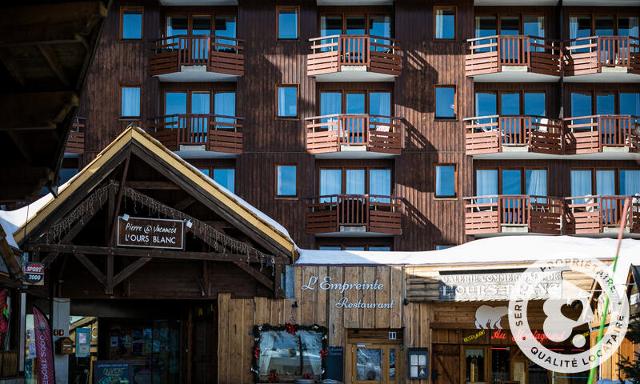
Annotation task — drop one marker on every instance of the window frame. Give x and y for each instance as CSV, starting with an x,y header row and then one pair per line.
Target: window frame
x,y
616,14
286,197
281,8
523,178
355,11
129,118
343,176
277,98
344,90
521,92
594,182
455,103
189,15
435,21
455,181
343,244
189,90
593,92
131,9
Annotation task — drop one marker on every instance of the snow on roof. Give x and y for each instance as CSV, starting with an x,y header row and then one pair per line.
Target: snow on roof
x,y
11,221
503,249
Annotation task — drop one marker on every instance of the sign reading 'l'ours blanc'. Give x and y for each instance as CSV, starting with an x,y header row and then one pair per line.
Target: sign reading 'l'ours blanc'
x,y
326,284
150,233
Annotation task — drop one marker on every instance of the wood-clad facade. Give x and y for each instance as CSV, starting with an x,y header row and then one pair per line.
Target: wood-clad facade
x,y
262,140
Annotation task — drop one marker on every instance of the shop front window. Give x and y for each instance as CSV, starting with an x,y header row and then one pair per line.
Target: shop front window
x,y
474,365
287,356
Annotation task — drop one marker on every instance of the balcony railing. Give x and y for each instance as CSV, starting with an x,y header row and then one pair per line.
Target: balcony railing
x,y
492,53
494,134
75,140
217,133
338,53
485,215
588,215
602,133
351,214
224,55
371,133
588,55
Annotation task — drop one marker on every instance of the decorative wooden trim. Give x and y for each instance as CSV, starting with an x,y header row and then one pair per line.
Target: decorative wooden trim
x,y
131,9
455,22
281,8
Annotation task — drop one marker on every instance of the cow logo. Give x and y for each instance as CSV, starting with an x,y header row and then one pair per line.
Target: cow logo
x,y
567,313
488,317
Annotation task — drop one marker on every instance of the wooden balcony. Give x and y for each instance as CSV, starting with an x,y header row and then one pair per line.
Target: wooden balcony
x,y
354,58
354,136
354,215
594,215
197,58
512,214
613,134
490,135
605,59
513,59
75,140
199,136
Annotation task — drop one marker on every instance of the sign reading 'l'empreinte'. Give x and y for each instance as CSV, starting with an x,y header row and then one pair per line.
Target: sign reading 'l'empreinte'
x,y
326,284
150,233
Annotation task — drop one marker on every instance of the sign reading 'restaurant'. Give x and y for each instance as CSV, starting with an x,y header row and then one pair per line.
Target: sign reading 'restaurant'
x,y
326,284
150,233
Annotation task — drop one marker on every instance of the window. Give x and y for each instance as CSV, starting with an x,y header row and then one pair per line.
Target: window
x,y
474,365
130,102
225,177
630,182
446,180
287,355
131,23
287,23
287,101
355,183
418,366
440,247
286,181
445,23
66,174
445,102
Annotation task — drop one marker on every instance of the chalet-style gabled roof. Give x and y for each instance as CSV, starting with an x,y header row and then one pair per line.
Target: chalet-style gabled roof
x,y
135,141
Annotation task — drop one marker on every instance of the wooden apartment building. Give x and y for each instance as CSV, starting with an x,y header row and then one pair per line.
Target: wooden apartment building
x,y
391,125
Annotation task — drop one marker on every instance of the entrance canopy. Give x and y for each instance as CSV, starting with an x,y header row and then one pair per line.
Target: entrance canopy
x,y
198,231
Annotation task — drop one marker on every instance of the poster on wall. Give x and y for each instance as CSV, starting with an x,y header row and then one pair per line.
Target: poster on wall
x,y
111,372
44,347
83,342
144,232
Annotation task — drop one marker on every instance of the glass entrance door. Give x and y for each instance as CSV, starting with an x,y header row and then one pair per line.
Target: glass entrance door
x,y
354,127
375,363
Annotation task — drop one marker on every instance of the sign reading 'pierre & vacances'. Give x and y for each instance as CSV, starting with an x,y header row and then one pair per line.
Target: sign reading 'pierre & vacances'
x,y
326,284
150,233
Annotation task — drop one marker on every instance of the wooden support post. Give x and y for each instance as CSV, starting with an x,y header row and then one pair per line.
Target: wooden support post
x,y
109,280
91,267
116,210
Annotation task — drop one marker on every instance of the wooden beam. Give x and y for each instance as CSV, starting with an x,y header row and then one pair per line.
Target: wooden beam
x,y
139,252
256,274
130,270
108,285
91,267
153,185
184,203
116,210
53,63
